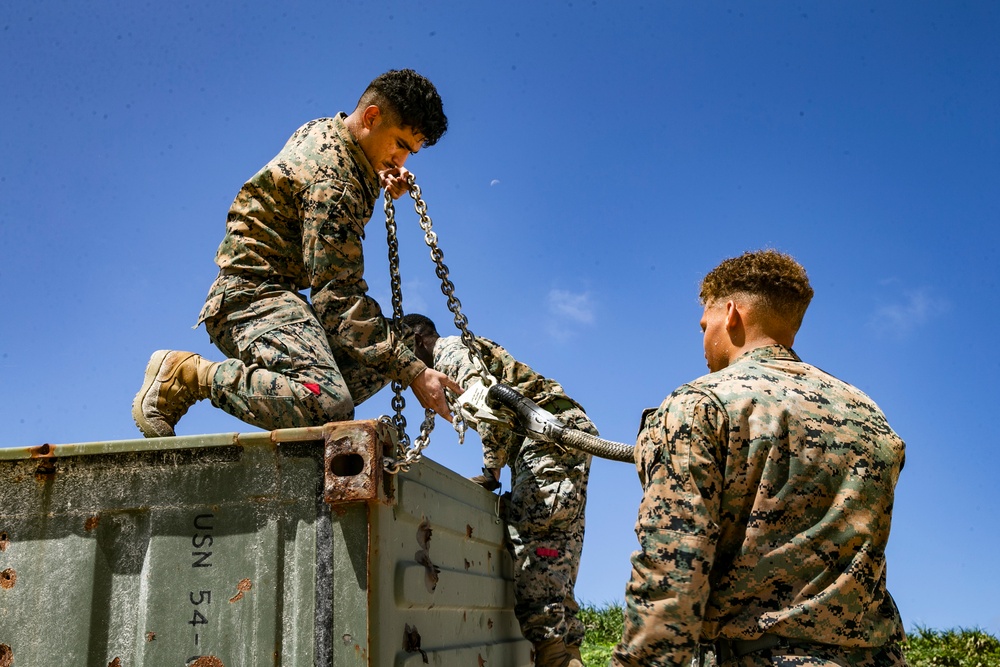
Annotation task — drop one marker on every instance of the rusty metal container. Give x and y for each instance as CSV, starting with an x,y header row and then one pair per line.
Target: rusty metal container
x,y
290,548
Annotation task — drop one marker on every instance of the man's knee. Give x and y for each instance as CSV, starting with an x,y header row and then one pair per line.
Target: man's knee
x,y
326,405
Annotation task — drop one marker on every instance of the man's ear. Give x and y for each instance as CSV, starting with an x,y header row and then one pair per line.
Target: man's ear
x,y
370,116
733,316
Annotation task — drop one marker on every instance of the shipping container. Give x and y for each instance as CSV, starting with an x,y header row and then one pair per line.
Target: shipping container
x,y
290,547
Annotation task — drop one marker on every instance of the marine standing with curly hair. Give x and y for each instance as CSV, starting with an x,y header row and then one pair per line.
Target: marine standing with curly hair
x,y
767,497
297,224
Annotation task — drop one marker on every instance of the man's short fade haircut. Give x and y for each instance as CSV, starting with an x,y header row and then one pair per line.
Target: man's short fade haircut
x,y
411,99
773,279
421,324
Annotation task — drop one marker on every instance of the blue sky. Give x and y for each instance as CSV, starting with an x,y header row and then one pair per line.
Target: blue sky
x,y
601,157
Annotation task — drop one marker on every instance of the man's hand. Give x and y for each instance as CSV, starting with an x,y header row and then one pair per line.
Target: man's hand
x,y
396,181
429,388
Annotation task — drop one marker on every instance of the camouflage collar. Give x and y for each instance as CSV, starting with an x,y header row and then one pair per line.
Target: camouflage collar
x,y
771,352
368,176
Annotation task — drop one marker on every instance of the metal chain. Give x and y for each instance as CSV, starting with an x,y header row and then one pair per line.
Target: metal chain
x,y
408,455
448,287
405,455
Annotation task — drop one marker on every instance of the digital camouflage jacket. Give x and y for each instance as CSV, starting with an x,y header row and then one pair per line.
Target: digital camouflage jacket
x,y
300,221
768,492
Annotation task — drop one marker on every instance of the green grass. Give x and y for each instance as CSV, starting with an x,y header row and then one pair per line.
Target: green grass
x,y
951,648
924,647
604,629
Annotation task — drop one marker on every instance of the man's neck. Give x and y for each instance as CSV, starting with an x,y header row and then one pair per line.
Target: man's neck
x,y
760,340
353,124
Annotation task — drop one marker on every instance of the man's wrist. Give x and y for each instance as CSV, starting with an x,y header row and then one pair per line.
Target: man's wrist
x,y
410,371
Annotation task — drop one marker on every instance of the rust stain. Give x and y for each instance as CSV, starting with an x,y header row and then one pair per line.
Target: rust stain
x,y
4,541
150,636
489,623
47,464
468,531
431,571
41,451
411,641
91,523
423,555
206,661
467,563
481,661
7,579
6,656
424,532
46,470
242,587
115,663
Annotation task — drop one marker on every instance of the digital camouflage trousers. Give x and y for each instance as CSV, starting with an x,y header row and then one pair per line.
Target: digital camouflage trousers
x,y
281,369
545,526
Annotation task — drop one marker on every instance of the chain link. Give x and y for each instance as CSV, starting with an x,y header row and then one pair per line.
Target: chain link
x,y
398,402
405,454
447,286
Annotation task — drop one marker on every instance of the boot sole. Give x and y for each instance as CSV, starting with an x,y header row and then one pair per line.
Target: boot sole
x,y
152,371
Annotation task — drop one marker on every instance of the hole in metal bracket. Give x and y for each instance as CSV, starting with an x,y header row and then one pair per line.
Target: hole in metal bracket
x,y
347,465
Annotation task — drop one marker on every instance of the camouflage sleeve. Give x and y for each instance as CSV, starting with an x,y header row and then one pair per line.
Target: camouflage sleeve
x,y
495,439
332,231
452,358
677,458
518,375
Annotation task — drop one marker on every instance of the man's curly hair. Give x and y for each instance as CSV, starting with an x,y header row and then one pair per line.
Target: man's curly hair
x,y
772,279
411,99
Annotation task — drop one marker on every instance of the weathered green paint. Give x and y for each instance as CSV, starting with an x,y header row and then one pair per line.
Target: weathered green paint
x,y
174,551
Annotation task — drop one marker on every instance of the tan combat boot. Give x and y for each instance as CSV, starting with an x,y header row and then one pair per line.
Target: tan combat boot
x,y
555,653
174,382
489,480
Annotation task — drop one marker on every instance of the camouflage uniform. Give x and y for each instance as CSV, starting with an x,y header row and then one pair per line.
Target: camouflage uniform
x,y
768,491
297,224
545,521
